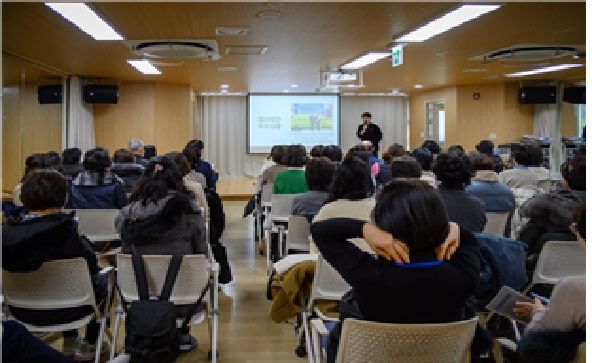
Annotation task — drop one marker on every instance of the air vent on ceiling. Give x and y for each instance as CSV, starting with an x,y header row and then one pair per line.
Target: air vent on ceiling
x,y
176,48
227,30
531,53
245,50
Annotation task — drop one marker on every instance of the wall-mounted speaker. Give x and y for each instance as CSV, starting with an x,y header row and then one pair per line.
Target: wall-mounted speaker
x,y
576,94
100,93
51,93
536,95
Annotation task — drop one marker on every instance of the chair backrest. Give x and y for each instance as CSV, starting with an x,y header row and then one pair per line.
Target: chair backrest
x,y
364,341
298,232
266,192
191,280
281,205
56,284
559,259
97,222
496,223
327,283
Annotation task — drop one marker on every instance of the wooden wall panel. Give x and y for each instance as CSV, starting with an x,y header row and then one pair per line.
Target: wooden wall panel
x,y
569,119
11,138
158,114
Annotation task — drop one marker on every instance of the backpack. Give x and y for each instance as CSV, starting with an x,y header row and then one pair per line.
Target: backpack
x,y
151,325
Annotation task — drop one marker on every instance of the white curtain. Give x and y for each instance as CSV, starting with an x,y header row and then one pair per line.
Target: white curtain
x,y
390,113
81,125
221,122
544,120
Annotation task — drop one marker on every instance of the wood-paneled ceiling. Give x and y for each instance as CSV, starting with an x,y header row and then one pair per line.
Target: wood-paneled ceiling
x,y
306,38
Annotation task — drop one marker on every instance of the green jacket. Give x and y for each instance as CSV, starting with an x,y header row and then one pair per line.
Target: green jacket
x,y
290,181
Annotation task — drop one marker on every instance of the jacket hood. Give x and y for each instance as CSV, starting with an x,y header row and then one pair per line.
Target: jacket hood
x,y
15,233
486,176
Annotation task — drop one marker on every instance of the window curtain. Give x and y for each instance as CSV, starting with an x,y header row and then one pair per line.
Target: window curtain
x,y
544,120
81,125
390,113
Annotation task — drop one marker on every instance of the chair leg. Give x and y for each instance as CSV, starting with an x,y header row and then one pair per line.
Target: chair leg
x,y
268,249
316,345
309,350
100,340
280,242
115,333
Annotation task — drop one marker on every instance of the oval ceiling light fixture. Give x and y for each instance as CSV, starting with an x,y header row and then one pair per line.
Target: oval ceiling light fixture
x,y
294,85
418,86
286,91
269,14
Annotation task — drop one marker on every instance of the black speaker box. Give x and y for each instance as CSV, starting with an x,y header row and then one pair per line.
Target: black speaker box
x,y
101,93
51,93
536,95
574,95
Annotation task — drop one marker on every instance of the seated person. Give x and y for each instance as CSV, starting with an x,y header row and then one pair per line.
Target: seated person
x,y
316,151
550,213
47,234
432,146
333,153
425,159
149,152
96,187
566,311
19,345
193,151
71,164
54,161
191,185
392,152
163,219
456,149
125,167
32,163
350,195
454,174
137,148
279,158
485,185
319,174
405,167
410,229
292,180
528,170
486,147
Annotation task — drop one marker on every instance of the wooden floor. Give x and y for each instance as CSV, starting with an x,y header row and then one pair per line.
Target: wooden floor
x,y
246,333
235,188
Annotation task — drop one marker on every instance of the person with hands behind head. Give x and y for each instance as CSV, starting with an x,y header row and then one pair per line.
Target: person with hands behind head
x,y
426,267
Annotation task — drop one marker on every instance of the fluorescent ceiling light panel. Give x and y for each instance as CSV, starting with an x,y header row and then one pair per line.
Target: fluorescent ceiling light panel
x,y
87,20
558,67
365,59
446,22
144,66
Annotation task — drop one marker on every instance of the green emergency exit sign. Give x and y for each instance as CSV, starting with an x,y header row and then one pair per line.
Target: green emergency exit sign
x,y
397,55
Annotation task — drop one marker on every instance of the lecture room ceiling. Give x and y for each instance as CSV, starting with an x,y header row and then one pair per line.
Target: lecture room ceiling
x,y
303,40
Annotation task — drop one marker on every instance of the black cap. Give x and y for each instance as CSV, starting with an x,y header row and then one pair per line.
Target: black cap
x,y
367,114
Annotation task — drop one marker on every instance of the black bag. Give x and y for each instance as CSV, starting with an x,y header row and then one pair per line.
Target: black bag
x,y
219,252
151,325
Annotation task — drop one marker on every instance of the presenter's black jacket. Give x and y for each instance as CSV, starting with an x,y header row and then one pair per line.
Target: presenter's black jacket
x,y
372,134
425,291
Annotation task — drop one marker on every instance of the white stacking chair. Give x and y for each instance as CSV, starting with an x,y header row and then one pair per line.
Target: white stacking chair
x,y
281,209
264,208
365,341
195,273
557,260
298,234
58,284
496,223
327,284
98,225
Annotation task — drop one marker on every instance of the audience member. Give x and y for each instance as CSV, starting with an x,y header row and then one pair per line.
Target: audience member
x,y
527,171
333,153
137,148
319,174
149,152
96,187
54,161
405,167
392,152
425,159
19,345
163,219
486,147
454,174
485,185
280,158
316,151
47,234
32,163
550,213
561,325
71,164
193,186
292,180
420,275
456,149
350,195
432,146
125,167
193,151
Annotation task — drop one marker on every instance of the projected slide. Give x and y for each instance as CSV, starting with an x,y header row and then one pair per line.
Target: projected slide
x,y
292,119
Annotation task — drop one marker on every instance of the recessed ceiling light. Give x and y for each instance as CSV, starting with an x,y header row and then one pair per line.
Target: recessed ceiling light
x,y
286,91
294,85
144,66
86,20
229,30
223,86
269,14
418,86
224,91
447,21
365,60
555,68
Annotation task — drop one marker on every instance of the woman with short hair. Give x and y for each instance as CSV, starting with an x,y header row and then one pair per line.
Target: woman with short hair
x,y
292,180
193,186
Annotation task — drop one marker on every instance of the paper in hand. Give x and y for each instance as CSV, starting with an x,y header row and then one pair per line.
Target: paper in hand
x,y
503,303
